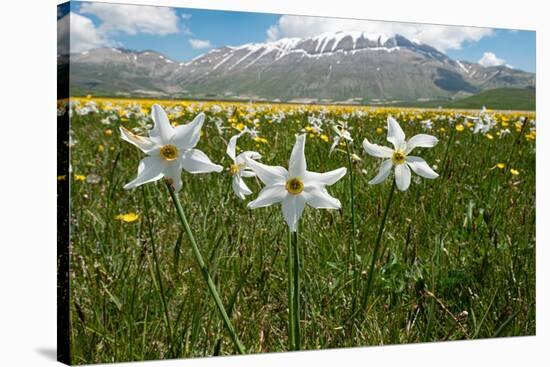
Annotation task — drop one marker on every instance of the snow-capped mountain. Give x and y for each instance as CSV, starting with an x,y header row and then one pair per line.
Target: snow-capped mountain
x,y
339,66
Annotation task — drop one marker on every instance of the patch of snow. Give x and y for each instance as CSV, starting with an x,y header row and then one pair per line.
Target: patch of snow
x,y
466,70
383,38
251,50
223,60
334,39
265,52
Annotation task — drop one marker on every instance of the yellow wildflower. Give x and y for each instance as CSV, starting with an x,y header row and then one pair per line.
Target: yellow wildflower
x,y
459,127
489,136
379,130
128,217
514,172
324,138
531,136
100,148
500,165
108,132
79,177
260,140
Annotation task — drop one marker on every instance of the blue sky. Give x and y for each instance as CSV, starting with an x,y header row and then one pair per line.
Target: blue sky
x,y
183,34
219,28
516,47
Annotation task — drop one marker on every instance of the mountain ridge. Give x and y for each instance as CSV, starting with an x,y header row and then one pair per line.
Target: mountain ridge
x,y
338,66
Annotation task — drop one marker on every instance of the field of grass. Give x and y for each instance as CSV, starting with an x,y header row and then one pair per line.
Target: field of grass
x,y
457,259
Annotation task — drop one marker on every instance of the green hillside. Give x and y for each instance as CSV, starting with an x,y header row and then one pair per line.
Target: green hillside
x,y
500,99
496,99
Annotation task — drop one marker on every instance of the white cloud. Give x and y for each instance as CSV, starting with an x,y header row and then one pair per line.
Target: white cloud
x,y
133,19
185,26
83,34
490,59
441,37
196,44
128,19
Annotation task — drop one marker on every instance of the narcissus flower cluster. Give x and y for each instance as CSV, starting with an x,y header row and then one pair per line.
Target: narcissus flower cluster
x,y
172,149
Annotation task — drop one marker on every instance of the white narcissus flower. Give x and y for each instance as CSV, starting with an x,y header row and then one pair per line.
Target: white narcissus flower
x,y
169,150
341,133
399,156
296,187
483,122
239,168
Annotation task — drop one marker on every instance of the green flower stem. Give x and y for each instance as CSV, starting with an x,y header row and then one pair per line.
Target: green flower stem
x,y
353,249
517,143
450,141
204,270
497,197
291,291
296,299
157,270
370,276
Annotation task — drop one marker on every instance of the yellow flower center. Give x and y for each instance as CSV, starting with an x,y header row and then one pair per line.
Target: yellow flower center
x,y
169,152
235,168
294,186
398,157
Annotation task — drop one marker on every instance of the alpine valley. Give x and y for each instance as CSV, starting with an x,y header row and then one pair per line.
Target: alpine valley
x,y
340,67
